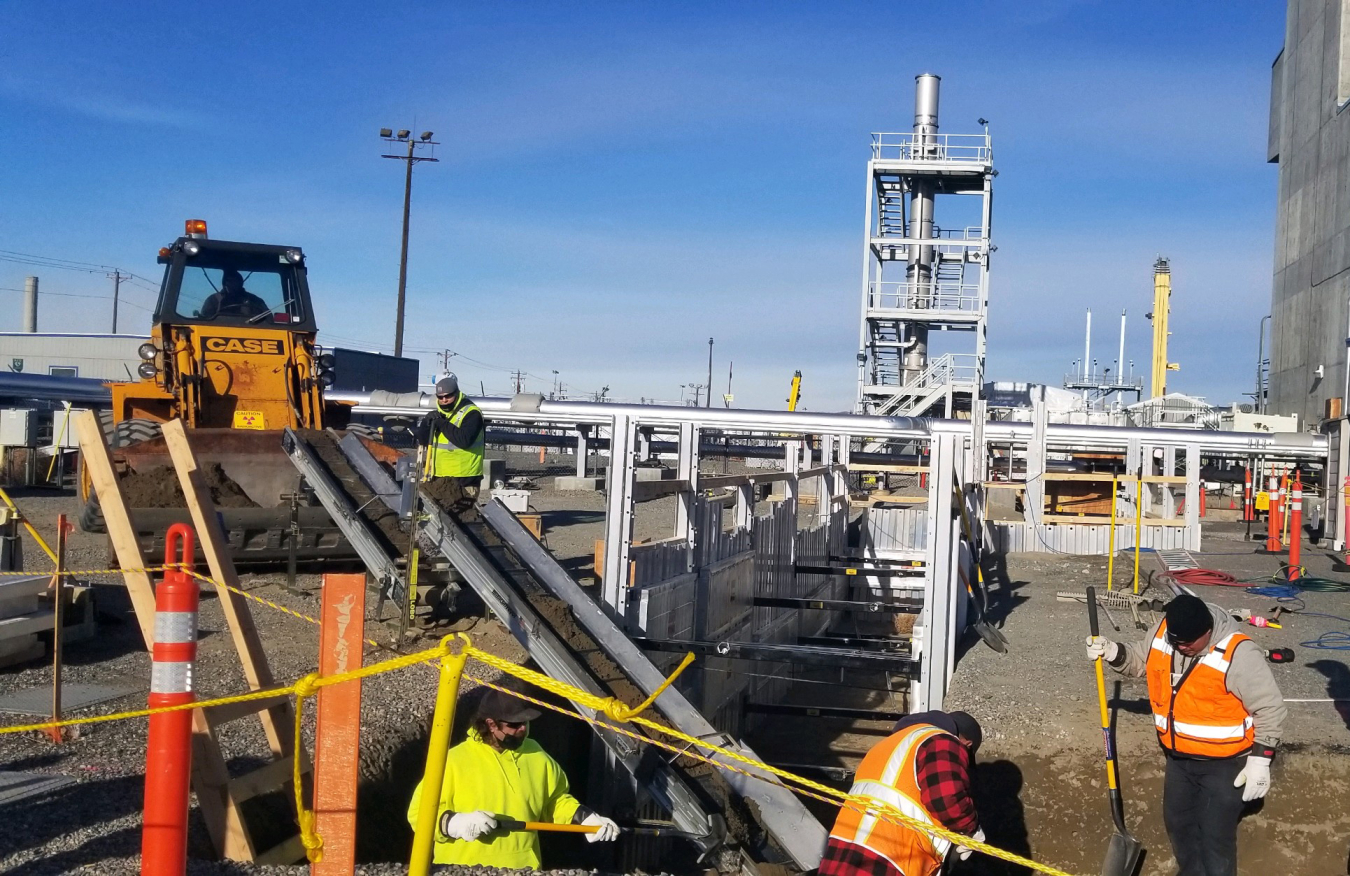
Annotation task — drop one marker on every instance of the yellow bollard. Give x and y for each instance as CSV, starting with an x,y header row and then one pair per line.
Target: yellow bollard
x,y
443,720
1138,525
1111,551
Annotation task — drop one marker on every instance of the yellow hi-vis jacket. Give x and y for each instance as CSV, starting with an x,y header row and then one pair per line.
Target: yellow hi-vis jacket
x,y
526,784
450,461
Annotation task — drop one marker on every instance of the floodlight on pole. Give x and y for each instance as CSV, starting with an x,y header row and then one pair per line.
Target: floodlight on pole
x,y
411,158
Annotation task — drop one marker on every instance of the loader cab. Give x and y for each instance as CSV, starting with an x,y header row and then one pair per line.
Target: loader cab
x,y
222,283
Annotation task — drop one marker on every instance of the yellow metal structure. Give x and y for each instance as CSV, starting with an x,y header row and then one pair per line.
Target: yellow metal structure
x,y
1162,309
795,394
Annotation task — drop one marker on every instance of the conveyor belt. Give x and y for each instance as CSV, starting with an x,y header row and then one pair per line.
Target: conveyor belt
x,y
669,786
515,574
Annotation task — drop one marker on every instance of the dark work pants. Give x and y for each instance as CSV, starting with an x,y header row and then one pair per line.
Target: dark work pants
x,y
1201,810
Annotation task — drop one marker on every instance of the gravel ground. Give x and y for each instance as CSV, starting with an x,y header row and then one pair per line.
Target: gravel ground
x,y
95,823
1041,767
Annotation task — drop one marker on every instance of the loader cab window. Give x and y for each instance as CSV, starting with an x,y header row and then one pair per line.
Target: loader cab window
x,y
239,293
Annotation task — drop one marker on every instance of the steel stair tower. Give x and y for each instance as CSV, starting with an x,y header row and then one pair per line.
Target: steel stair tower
x,y
920,277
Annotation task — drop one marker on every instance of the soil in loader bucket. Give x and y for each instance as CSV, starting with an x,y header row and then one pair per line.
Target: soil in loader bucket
x,y
159,488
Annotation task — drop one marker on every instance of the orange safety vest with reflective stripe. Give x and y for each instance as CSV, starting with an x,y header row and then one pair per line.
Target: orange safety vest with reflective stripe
x,y
1194,713
889,774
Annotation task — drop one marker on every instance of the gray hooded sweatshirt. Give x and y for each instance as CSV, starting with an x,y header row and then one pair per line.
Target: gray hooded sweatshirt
x,y
1249,677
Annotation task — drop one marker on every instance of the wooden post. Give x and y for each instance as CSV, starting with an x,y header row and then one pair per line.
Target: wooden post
x,y
337,757
58,618
215,547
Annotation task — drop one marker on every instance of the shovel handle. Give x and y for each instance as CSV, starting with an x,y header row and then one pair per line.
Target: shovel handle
x,y
1092,611
545,826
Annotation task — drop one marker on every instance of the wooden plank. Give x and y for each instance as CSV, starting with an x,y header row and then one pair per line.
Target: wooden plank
x,y
278,722
645,491
1090,476
234,711
1164,479
888,469
1005,485
117,516
1086,519
211,784
337,754
208,767
260,781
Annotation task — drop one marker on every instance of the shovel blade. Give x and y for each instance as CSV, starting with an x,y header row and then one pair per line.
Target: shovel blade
x,y
1123,856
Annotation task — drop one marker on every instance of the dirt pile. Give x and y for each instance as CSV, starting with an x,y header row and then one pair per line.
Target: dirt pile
x,y
159,488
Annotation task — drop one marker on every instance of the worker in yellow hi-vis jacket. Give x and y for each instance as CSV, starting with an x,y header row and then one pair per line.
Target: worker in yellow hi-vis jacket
x,y
499,771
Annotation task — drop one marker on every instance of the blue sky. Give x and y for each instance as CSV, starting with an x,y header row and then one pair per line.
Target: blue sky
x,y
620,181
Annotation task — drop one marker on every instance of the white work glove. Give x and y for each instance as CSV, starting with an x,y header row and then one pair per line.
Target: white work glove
x,y
608,832
1102,648
962,852
467,826
1254,780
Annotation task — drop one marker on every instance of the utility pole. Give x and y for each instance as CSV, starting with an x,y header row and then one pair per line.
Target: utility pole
x,y
708,401
412,158
519,376
117,288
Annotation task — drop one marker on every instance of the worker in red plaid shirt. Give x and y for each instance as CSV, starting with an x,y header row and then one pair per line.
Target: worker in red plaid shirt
x,y
923,769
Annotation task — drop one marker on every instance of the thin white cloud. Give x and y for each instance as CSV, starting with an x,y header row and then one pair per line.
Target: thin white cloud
x,y
82,100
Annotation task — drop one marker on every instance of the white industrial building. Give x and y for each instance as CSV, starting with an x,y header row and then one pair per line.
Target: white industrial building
x,y
61,354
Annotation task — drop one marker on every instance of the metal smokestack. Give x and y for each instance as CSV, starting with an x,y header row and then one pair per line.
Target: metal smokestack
x,y
920,271
926,103
30,293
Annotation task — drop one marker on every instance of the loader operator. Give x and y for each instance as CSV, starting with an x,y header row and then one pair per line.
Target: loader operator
x,y
499,771
922,769
233,299
1219,716
454,435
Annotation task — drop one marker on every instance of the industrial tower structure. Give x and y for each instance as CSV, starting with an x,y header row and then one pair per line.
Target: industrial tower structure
x,y
920,277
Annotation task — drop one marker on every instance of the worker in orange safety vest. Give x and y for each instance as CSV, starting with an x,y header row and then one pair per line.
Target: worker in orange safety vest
x,y
1219,716
923,769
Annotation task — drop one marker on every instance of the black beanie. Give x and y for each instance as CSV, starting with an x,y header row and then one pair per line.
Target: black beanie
x,y
1188,618
969,728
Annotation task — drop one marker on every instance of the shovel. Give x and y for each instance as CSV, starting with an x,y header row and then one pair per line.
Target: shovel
x,y
1125,853
706,842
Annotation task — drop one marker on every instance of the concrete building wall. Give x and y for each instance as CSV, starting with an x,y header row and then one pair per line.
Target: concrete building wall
x,y
1310,139
105,357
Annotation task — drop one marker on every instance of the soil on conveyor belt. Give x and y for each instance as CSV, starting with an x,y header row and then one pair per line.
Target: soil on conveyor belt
x,y
383,519
159,488
742,820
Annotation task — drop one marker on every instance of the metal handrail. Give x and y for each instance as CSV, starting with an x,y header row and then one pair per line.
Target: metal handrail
x,y
972,148
938,296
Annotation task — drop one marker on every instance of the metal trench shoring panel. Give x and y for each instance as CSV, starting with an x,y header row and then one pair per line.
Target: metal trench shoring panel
x,y
793,828
543,645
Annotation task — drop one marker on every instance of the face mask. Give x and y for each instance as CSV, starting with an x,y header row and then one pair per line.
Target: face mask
x,y
511,743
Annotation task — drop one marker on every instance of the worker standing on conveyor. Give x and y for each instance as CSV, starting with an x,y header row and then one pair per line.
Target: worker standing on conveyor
x,y
923,769
454,434
499,771
1219,716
